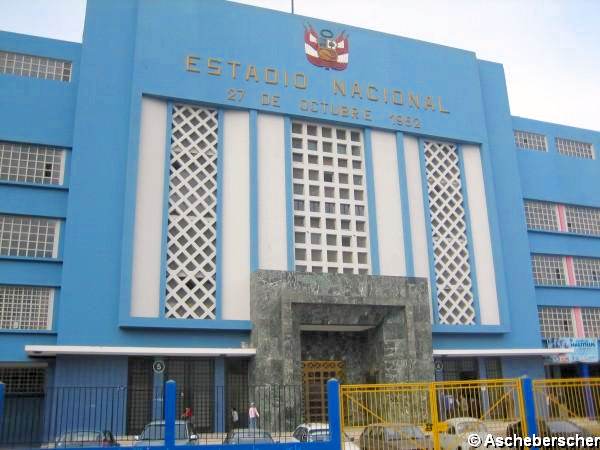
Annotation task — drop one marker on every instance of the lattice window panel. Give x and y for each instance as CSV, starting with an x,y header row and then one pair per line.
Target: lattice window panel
x,y
28,236
583,220
449,234
493,368
591,322
541,215
31,163
587,271
548,270
556,322
575,148
331,231
23,380
26,308
35,66
192,231
530,141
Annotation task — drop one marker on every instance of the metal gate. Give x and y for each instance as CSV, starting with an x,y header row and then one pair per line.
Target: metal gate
x,y
314,380
431,415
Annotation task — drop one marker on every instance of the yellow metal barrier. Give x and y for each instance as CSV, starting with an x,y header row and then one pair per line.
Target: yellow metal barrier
x,y
430,415
574,401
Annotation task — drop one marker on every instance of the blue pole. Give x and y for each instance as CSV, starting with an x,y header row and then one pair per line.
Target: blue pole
x,y
333,410
589,398
529,402
170,401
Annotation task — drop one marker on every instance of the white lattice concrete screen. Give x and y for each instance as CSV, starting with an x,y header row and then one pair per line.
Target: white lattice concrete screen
x,y
330,202
26,307
449,234
192,232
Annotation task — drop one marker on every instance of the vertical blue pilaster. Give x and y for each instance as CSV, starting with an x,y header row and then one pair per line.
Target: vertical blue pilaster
x,y
405,205
333,411
528,400
219,403
371,204
158,399
170,402
253,191
2,392
584,372
289,196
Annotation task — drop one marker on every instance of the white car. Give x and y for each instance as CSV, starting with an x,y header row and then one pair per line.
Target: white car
x,y
456,436
315,432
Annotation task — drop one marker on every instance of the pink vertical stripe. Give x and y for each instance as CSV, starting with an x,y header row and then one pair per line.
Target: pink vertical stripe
x,y
562,217
570,271
579,332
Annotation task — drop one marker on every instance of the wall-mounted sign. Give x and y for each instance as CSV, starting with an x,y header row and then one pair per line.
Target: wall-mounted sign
x,y
325,50
584,350
158,366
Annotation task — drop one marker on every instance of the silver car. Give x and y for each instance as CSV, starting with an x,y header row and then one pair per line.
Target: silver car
x,y
154,434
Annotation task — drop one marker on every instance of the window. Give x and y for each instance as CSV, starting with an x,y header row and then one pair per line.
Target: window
x,y
333,207
591,322
556,322
29,163
26,308
548,270
587,271
541,215
530,141
35,66
192,224
574,148
582,220
23,380
34,237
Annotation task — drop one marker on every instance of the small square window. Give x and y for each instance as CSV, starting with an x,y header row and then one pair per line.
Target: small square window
x,y
326,132
344,209
317,269
299,205
347,257
314,190
346,241
345,224
357,180
313,175
315,238
300,268
341,149
343,178
312,145
331,239
296,128
361,241
311,130
344,193
356,165
313,159
348,270
315,207
300,254
362,258
327,147
343,162
315,222
340,133
297,143
355,136
330,224
298,221
297,157
359,210
363,271
331,256
328,177
298,189
355,150
300,237
360,226
330,208
315,255
327,161
358,195
329,192
298,174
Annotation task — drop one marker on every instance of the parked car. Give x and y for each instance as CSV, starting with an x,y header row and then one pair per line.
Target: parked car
x,y
399,436
550,427
154,434
248,436
458,431
86,438
317,432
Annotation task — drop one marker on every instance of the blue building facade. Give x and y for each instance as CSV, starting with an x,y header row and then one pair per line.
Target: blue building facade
x,y
149,171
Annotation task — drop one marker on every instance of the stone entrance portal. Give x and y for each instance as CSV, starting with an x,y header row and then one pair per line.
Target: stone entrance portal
x,y
313,316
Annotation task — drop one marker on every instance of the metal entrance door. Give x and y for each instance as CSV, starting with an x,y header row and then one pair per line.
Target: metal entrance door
x,y
314,379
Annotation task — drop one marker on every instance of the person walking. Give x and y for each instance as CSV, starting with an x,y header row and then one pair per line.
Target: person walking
x,y
235,418
253,415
